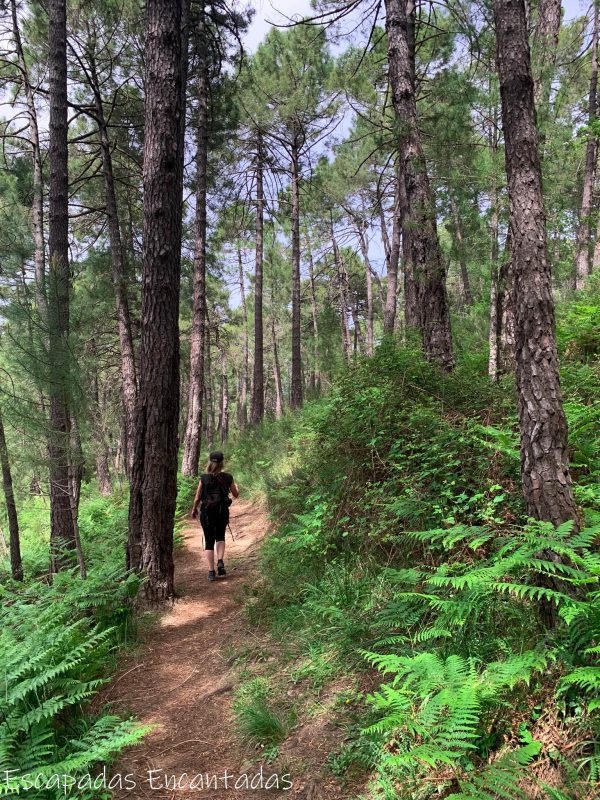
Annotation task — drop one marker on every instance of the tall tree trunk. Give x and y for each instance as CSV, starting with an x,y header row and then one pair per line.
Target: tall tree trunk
x,y
77,465
389,313
596,257
460,252
276,374
103,470
242,410
545,47
193,430
359,339
411,304
360,226
399,321
316,370
582,249
154,476
342,281
224,410
427,263
102,467
208,387
493,337
296,387
119,276
37,207
387,248
258,388
16,565
370,313
62,534
75,480
494,333
495,306
544,452
507,308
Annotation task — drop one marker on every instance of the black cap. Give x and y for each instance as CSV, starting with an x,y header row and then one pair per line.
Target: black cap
x,y
216,456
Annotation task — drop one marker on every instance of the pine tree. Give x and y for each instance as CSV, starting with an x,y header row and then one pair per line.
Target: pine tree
x,y
62,530
154,476
416,204
544,449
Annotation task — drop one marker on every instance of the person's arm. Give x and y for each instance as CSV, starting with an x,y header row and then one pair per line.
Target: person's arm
x,y
234,489
197,500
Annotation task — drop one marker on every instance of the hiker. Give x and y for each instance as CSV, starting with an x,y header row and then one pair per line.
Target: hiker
x,y
212,496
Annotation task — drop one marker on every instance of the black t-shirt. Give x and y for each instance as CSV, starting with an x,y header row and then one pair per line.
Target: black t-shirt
x,y
224,478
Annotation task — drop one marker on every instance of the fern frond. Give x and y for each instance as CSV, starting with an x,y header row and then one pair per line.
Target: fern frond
x,y
501,779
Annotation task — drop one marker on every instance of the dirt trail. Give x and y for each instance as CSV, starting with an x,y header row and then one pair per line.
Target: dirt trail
x,y
181,681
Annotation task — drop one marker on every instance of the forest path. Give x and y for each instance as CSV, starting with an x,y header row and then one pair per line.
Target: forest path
x,y
182,683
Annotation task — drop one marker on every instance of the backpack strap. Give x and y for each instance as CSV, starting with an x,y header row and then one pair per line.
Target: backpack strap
x,y
223,486
208,479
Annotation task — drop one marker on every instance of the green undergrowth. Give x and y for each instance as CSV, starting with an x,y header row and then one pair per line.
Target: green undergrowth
x,y
59,645
402,564
259,722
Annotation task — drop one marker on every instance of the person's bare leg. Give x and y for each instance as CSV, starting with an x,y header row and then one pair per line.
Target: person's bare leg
x,y
209,555
220,550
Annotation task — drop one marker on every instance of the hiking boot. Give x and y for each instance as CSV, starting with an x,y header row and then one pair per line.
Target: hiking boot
x,y
211,575
221,568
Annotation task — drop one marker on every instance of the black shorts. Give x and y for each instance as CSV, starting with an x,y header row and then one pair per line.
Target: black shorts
x,y
214,530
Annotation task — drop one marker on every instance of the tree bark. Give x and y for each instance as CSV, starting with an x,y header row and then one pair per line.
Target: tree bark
x,y
193,430
544,452
208,388
119,276
77,466
506,304
342,281
596,257
154,477
258,381
16,564
427,263
277,374
102,460
103,471
393,249
62,534
315,372
545,46
385,238
583,265
224,410
359,339
494,333
360,226
495,310
460,252
242,409
296,387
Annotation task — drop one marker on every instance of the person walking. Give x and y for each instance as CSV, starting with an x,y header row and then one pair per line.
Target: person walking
x,y
212,498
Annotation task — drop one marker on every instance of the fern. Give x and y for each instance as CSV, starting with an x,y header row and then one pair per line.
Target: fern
x,y
500,779
438,705
585,678
53,645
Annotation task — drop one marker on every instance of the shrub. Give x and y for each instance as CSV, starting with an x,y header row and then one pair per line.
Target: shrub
x,y
401,538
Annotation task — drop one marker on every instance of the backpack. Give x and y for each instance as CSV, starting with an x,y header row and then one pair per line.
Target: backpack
x,y
215,496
